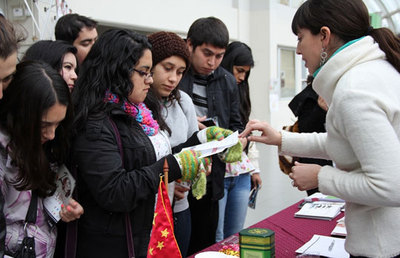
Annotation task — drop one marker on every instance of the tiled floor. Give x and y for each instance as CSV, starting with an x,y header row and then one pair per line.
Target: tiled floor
x,y
277,192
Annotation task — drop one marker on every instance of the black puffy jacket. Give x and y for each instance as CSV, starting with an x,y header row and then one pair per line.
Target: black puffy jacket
x,y
109,188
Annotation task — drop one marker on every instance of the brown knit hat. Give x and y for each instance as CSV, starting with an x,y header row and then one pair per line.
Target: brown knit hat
x,y
166,44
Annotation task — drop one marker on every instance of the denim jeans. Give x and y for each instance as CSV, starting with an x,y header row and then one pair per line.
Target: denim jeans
x,y
233,206
182,230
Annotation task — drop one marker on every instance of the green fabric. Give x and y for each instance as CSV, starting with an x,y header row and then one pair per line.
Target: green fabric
x,y
232,154
217,133
194,169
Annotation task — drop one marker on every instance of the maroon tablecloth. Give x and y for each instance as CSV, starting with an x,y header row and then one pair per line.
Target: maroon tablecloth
x,y
290,232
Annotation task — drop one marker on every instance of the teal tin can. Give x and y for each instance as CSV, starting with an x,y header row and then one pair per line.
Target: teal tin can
x,y
257,243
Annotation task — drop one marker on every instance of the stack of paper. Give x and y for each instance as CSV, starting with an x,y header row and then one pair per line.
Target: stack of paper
x,y
324,246
340,228
319,210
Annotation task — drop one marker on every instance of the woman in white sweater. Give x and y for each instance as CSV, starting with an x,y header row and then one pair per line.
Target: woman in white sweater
x,y
356,70
170,60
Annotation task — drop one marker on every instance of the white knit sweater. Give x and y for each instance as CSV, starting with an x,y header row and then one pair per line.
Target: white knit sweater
x,y
363,139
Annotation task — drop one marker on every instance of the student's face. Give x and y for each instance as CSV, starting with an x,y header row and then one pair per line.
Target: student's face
x,y
84,42
141,83
50,121
7,69
309,46
205,58
240,71
68,70
167,75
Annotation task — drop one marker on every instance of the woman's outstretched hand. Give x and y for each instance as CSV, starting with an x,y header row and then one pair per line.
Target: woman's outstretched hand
x,y
268,135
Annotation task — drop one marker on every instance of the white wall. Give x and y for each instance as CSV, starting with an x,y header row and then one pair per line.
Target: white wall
x,y
172,15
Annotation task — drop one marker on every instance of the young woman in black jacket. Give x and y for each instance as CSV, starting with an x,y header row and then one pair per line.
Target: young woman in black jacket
x,y
109,104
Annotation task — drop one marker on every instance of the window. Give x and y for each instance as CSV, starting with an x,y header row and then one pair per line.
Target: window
x,y
286,72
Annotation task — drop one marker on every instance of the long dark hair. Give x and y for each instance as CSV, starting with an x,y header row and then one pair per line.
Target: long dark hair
x,y
108,66
239,54
347,19
35,88
51,52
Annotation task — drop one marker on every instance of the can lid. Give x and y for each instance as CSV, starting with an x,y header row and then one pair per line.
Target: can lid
x,y
257,232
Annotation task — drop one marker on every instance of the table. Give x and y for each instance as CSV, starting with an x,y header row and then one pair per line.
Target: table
x,y
290,232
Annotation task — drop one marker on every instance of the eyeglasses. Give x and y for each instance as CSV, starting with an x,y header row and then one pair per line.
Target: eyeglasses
x,y
146,75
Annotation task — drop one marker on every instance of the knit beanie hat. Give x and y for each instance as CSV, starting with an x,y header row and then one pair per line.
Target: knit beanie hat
x,y
166,44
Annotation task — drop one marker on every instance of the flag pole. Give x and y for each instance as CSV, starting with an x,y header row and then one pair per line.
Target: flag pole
x,y
165,170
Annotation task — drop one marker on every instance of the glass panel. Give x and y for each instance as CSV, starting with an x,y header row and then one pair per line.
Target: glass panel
x,y
396,21
389,4
287,73
372,6
385,23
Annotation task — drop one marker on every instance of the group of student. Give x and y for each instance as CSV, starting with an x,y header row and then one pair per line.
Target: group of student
x,y
137,101
115,114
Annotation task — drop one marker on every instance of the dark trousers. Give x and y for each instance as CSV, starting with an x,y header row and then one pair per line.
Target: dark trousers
x,y
182,230
204,214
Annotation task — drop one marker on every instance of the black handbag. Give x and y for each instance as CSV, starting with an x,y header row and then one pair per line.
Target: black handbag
x,y
27,248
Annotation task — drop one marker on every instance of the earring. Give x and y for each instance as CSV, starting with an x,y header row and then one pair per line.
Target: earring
x,y
323,56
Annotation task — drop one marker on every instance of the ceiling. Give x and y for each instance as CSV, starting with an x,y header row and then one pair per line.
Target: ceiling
x,y
389,10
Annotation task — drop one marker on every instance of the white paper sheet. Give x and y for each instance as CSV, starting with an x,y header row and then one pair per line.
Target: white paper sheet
x,y
214,147
324,246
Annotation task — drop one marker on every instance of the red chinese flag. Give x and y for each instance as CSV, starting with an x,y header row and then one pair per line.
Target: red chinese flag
x,y
162,240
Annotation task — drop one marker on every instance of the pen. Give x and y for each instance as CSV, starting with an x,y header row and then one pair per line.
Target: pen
x,y
331,245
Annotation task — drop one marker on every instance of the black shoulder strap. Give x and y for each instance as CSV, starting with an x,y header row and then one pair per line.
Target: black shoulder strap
x,y
128,226
32,211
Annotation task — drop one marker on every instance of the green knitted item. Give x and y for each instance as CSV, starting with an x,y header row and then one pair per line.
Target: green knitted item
x,y
194,170
189,163
199,185
232,154
217,133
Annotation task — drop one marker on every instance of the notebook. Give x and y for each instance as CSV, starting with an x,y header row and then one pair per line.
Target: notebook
x,y
324,246
319,210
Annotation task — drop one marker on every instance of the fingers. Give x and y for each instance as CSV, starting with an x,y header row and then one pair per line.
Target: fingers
x,y
201,118
179,193
181,189
201,126
71,211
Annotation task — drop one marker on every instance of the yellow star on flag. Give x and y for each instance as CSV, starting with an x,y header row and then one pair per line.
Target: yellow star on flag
x,y
151,250
164,233
160,245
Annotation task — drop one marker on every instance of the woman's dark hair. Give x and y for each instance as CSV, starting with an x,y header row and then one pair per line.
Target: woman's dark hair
x,y
9,38
208,30
51,52
36,87
108,66
348,20
152,101
239,54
